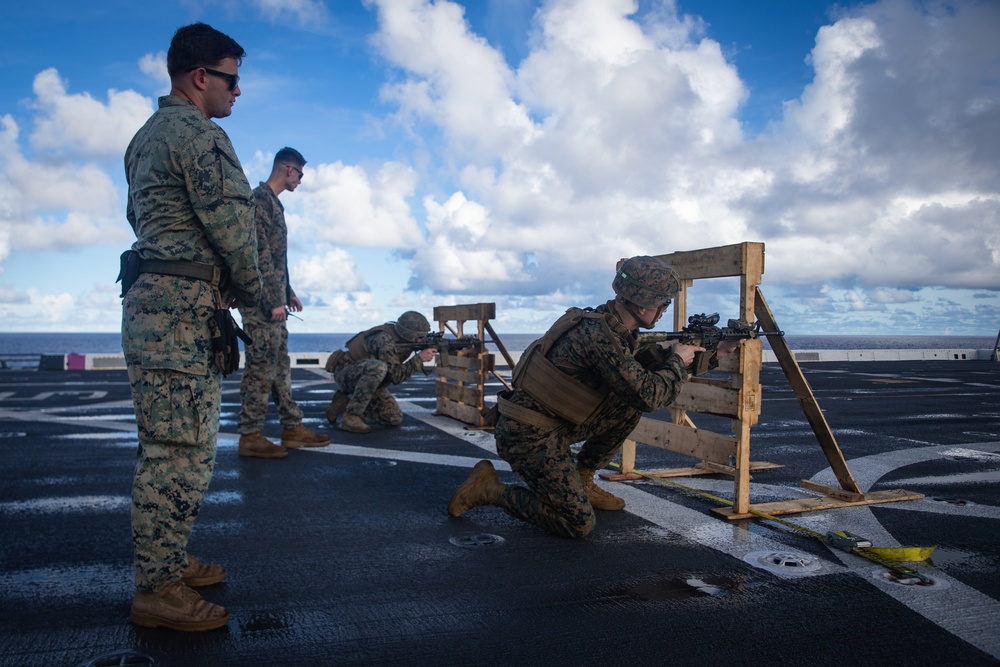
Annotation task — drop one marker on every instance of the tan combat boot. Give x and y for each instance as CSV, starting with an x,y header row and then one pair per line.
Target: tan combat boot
x,y
483,487
300,436
254,444
337,406
202,574
178,607
354,424
598,497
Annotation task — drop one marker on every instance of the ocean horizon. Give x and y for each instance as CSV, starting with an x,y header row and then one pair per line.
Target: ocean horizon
x,y
110,343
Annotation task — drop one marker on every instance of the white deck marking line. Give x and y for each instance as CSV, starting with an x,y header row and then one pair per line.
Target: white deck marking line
x,y
695,525
49,417
960,609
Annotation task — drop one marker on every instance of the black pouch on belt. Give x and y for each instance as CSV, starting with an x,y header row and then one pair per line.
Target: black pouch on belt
x,y
128,273
226,344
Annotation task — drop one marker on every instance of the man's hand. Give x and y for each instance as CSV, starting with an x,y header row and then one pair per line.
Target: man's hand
x,y
427,354
295,305
279,314
229,301
727,347
686,352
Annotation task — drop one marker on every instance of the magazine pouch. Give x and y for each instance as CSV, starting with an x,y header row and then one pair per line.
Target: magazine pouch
x,y
128,272
226,343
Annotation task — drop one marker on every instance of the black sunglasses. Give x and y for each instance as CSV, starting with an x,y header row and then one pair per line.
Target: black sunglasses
x,y
231,79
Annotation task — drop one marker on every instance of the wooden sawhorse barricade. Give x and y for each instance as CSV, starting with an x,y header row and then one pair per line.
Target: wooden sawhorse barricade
x,y
462,374
739,399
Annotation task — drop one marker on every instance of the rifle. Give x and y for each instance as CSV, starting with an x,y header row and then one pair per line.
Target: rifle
x,y
437,340
701,331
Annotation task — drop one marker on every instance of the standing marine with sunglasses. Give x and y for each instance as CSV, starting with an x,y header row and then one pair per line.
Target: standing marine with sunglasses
x,y
268,369
583,381
191,208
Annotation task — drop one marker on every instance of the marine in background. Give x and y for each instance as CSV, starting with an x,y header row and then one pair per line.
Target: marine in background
x,y
584,381
267,371
373,360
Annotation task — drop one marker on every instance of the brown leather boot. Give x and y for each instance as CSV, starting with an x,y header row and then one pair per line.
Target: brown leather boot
x,y
483,487
202,574
300,436
178,607
254,444
337,406
354,424
598,497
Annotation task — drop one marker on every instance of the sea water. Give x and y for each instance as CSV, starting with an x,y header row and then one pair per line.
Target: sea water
x,y
110,343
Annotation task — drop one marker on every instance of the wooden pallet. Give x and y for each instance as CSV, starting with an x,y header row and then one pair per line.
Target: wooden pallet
x,y
462,374
738,397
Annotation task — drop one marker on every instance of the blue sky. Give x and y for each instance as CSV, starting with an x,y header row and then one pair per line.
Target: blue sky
x,y
512,150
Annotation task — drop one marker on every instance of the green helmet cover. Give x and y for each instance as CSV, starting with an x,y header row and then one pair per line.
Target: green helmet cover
x,y
647,282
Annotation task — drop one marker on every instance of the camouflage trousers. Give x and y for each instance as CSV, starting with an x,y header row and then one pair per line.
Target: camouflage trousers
x,y
364,382
554,498
267,372
176,391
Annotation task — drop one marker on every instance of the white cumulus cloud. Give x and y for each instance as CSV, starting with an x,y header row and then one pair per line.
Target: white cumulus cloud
x,y
619,133
334,271
79,123
53,204
344,205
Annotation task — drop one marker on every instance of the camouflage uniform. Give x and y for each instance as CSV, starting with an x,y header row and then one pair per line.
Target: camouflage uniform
x,y
555,498
365,380
267,371
188,200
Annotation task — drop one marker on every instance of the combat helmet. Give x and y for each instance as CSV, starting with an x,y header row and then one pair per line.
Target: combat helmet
x,y
412,326
647,282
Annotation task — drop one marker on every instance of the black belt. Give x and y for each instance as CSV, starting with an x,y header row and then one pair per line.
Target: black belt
x,y
183,268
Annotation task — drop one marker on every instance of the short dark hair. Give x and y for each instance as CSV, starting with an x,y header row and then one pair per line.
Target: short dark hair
x,y
200,44
289,156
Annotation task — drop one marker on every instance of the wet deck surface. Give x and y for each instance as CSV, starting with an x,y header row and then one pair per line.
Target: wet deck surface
x,y
345,554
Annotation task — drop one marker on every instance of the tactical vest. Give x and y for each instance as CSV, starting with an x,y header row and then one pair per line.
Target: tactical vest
x,y
556,391
357,347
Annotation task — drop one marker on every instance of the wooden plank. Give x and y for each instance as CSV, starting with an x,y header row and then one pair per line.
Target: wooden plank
x,y
680,321
801,505
464,312
708,399
469,394
457,375
463,413
703,468
719,262
672,472
730,363
804,393
741,480
685,440
839,494
628,456
753,268
446,360
496,341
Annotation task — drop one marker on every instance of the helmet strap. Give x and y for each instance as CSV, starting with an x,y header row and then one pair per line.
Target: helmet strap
x,y
638,312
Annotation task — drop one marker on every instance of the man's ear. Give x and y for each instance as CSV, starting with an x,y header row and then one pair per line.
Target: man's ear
x,y
198,77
